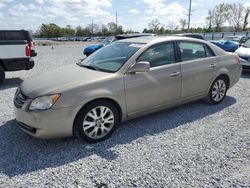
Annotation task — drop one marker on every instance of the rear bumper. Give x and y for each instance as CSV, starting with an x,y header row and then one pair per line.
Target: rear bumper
x,y
18,64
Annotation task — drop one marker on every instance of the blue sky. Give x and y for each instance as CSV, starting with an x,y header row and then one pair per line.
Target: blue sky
x,y
132,14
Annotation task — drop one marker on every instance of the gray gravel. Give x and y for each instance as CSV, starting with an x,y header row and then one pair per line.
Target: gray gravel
x,y
193,145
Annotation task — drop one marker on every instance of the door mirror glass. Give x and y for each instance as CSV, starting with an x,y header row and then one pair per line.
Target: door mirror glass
x,y
142,66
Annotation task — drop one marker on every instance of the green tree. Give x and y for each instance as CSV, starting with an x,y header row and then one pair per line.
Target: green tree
x,y
68,31
50,30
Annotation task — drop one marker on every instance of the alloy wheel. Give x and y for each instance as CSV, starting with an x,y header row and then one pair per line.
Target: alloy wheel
x,y
98,122
219,90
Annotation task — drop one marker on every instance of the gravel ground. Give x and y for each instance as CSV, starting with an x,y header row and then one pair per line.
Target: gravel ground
x,y
193,145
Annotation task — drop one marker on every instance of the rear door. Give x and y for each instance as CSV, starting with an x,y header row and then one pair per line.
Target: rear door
x,y
198,68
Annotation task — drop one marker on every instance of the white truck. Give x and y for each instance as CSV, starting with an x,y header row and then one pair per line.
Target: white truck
x,y
15,51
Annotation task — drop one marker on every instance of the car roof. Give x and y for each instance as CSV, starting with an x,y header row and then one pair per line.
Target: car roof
x,y
124,36
156,39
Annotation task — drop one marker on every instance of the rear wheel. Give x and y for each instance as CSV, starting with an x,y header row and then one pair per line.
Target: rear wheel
x,y
2,75
217,91
96,121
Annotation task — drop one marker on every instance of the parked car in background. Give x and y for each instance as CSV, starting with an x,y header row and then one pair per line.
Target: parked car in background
x,y
123,80
14,35
229,46
239,39
192,35
231,43
92,48
244,53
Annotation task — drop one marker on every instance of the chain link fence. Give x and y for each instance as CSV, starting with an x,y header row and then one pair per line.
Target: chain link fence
x,y
220,35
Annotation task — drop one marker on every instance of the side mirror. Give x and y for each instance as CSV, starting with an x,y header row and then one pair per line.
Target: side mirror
x,y
142,66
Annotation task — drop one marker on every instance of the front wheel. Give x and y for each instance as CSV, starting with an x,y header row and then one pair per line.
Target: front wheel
x,y
2,75
217,91
96,121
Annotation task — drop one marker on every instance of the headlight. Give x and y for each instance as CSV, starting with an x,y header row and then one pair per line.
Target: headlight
x,y
44,102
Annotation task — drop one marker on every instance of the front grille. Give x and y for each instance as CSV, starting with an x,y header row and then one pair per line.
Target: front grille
x,y
19,99
245,67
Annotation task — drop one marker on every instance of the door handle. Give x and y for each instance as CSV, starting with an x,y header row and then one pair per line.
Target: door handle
x,y
212,65
174,74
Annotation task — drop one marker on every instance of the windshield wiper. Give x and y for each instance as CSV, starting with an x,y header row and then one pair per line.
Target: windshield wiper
x,y
94,68
87,66
90,67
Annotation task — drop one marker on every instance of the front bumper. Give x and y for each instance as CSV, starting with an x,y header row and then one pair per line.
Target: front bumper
x,y
46,124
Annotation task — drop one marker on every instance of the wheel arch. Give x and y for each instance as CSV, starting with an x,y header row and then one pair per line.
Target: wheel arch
x,y
2,64
226,77
220,75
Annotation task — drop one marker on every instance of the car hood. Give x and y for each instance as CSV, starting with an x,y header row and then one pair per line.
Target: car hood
x,y
243,52
60,80
92,48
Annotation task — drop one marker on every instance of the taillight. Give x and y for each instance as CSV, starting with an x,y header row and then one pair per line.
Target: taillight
x,y
30,44
237,59
27,51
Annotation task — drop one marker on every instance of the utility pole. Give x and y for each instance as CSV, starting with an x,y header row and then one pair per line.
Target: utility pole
x,y
92,28
116,24
189,13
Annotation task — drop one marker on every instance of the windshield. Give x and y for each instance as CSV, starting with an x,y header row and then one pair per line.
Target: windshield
x,y
111,57
235,39
247,44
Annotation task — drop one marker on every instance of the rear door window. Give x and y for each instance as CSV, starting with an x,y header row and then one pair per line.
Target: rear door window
x,y
193,50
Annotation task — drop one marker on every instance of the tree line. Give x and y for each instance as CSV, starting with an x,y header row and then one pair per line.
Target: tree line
x,y
52,30
235,14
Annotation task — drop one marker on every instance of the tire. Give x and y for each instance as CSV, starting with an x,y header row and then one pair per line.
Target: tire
x,y
96,121
217,91
2,75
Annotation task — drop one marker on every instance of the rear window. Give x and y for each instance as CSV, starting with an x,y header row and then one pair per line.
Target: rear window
x,y
15,35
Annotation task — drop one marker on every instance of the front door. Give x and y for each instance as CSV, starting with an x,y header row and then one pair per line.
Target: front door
x,y
158,87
